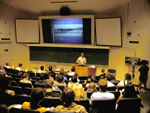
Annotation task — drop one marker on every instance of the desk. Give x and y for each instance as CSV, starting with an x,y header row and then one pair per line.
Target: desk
x,y
82,71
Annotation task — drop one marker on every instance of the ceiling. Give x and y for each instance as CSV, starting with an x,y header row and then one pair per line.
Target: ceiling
x,y
39,6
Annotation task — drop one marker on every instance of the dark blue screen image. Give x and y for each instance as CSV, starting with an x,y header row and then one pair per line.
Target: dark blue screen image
x,y
67,30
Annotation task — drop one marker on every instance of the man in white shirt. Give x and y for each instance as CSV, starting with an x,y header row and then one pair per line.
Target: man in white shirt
x,y
19,67
102,94
7,66
81,61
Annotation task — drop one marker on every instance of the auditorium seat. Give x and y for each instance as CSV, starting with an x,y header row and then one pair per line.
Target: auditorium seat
x,y
82,77
129,105
116,93
13,83
28,90
85,103
17,89
19,99
103,106
24,85
17,110
51,101
89,93
39,85
112,88
61,87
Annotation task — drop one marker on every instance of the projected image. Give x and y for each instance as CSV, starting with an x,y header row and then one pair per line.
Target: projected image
x,y
68,30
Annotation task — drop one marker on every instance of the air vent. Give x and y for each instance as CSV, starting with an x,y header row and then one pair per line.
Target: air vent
x,y
5,38
72,1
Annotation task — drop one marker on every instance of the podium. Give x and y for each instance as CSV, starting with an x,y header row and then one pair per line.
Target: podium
x,y
85,71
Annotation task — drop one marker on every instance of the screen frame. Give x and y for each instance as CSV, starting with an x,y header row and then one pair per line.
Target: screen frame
x,y
92,17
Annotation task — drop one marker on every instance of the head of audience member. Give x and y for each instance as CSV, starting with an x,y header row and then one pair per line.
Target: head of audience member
x,y
60,78
73,69
127,76
20,65
129,91
82,54
50,68
74,79
48,84
62,71
103,71
4,109
67,97
37,95
102,85
92,87
26,75
93,79
7,64
42,68
79,92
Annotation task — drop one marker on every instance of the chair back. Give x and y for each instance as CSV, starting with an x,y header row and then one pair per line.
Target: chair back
x,y
19,99
129,105
116,93
85,103
24,85
112,88
17,89
103,106
51,101
17,110
28,90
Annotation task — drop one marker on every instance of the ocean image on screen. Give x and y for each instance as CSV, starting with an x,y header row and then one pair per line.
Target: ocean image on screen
x,y
68,31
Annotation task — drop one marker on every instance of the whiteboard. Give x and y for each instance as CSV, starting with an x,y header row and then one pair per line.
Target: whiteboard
x,y
27,31
108,32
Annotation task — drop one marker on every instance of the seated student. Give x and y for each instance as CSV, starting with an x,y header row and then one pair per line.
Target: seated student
x,y
92,87
68,98
26,79
79,92
93,79
74,81
103,74
109,84
4,91
37,95
52,90
7,66
19,67
50,68
102,94
62,72
126,81
72,71
41,81
60,80
129,92
41,70
88,79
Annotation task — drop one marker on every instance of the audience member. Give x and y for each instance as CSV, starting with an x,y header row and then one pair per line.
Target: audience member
x,y
73,82
88,79
92,87
126,81
41,81
52,90
102,94
79,92
37,95
50,68
129,92
68,98
103,74
62,72
7,66
19,68
60,80
4,109
72,71
41,70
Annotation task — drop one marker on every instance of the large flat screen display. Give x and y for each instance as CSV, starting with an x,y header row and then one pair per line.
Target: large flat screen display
x,y
70,30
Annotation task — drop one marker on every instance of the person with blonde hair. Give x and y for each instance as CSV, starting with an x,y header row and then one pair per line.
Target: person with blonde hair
x,y
79,92
91,87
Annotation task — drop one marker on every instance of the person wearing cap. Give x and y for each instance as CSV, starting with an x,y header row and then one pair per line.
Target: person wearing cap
x,y
102,94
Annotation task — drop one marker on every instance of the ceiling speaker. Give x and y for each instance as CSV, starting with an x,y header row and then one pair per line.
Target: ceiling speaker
x,y
64,11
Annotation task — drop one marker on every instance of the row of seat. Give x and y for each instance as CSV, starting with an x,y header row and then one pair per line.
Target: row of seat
x,y
125,105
